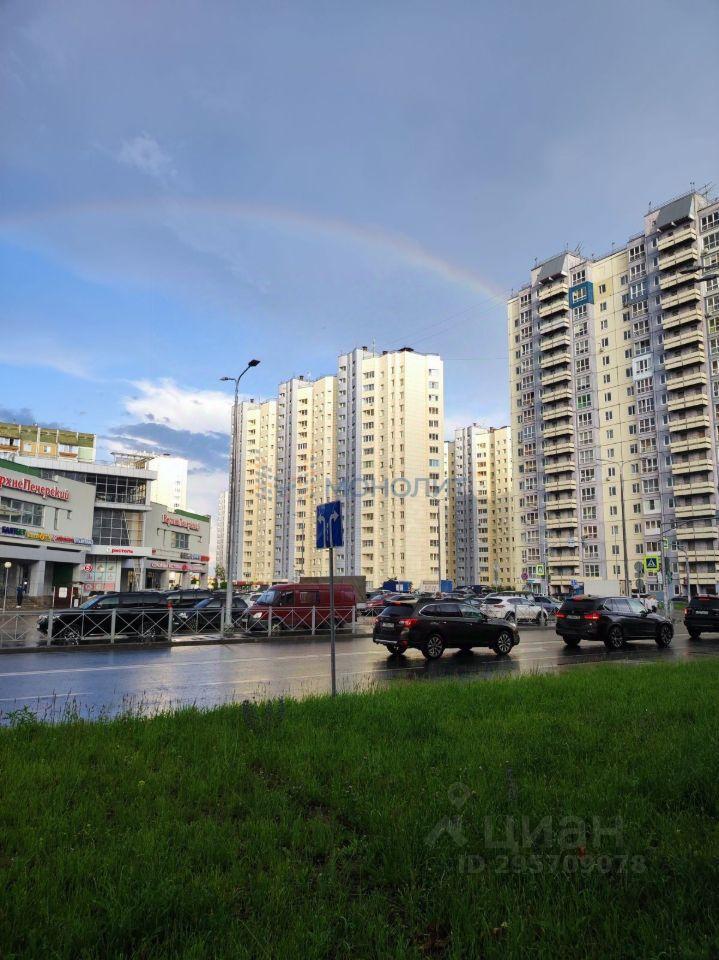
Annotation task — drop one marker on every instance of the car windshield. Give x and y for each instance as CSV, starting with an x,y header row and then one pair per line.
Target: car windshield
x,y
268,598
578,605
397,610
88,604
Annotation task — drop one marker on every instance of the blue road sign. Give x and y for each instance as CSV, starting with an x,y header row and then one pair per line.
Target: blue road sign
x,y
329,525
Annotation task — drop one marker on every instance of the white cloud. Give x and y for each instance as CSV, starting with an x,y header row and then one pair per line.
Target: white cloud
x,y
145,154
167,403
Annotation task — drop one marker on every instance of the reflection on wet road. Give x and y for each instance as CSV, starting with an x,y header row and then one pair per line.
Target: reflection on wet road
x,y
106,681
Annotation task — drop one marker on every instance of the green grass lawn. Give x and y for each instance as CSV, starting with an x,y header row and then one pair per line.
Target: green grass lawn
x,y
551,816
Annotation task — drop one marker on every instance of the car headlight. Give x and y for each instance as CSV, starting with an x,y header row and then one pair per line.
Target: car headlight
x,y
256,616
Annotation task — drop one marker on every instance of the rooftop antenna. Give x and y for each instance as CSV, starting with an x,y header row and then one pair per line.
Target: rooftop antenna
x,y
691,184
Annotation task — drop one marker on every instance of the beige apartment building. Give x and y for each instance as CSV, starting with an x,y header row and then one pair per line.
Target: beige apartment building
x,y
306,459
256,436
390,464
448,562
371,437
32,440
484,540
614,372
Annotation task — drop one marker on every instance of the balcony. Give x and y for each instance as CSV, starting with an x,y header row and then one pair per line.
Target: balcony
x,y
548,290
697,378
551,376
691,445
683,235
688,400
562,523
682,296
552,307
552,360
688,358
671,259
695,422
698,531
704,464
699,510
681,318
557,449
554,325
563,503
559,430
557,486
562,466
673,339
561,410
690,486
554,343
671,281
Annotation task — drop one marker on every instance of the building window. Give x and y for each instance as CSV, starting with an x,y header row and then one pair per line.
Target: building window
x,y
20,511
119,528
180,541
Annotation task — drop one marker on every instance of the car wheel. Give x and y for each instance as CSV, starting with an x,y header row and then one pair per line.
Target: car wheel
x,y
503,644
510,617
70,637
541,618
614,639
277,627
394,649
149,634
433,647
664,635
693,635
572,641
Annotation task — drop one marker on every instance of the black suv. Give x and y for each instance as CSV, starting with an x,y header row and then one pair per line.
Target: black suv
x,y
207,615
611,619
139,614
435,626
185,599
702,616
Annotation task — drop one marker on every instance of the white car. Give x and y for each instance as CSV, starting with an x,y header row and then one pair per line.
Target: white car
x,y
516,609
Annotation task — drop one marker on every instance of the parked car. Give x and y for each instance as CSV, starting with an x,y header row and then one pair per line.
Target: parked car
x,y
613,620
186,598
649,600
548,603
513,609
376,604
291,604
435,627
138,614
207,615
702,616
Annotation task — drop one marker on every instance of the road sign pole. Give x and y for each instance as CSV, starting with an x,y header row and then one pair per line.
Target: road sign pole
x,y
332,621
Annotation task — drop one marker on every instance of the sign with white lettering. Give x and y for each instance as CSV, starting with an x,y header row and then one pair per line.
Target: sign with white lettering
x,y
26,485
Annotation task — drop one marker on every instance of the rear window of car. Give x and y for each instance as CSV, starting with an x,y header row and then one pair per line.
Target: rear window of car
x,y
579,605
493,599
704,603
397,610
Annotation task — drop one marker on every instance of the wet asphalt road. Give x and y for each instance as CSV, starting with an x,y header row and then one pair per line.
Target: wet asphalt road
x,y
95,682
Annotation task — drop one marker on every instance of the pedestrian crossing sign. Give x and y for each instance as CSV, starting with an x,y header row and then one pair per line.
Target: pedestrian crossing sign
x,y
652,563
539,570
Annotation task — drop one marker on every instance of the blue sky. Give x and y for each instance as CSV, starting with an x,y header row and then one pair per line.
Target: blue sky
x,y
188,184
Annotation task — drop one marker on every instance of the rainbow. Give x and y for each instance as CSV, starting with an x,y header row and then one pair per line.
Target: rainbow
x,y
380,241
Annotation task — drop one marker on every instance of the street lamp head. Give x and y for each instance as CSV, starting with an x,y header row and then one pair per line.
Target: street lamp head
x,y
7,564
253,363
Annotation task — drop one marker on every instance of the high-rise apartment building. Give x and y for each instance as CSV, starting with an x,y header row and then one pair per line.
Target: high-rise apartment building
x,y
614,370
223,517
256,436
390,464
448,563
483,508
170,487
371,437
306,458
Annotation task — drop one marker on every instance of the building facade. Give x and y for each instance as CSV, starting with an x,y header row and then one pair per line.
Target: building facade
x,y
222,522
485,548
170,483
372,438
33,440
106,532
614,372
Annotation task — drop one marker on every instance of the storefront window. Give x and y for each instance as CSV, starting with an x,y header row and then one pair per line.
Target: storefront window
x,y
19,511
118,528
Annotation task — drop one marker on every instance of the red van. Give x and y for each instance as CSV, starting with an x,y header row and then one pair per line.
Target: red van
x,y
290,606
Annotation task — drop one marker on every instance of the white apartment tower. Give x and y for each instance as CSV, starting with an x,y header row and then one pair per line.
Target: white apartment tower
x,y
390,464
614,370
222,521
170,487
484,531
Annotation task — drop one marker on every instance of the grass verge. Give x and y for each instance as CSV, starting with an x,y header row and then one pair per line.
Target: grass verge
x,y
550,816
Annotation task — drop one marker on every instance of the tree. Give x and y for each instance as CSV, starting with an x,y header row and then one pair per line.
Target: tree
x,y
220,572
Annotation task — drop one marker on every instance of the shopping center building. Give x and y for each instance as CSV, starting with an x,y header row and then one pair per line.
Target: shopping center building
x,y
72,526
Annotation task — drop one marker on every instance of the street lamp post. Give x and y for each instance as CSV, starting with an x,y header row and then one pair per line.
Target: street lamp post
x,y
7,566
232,497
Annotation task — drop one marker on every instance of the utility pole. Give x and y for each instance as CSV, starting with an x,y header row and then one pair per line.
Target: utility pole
x,y
627,586
232,497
